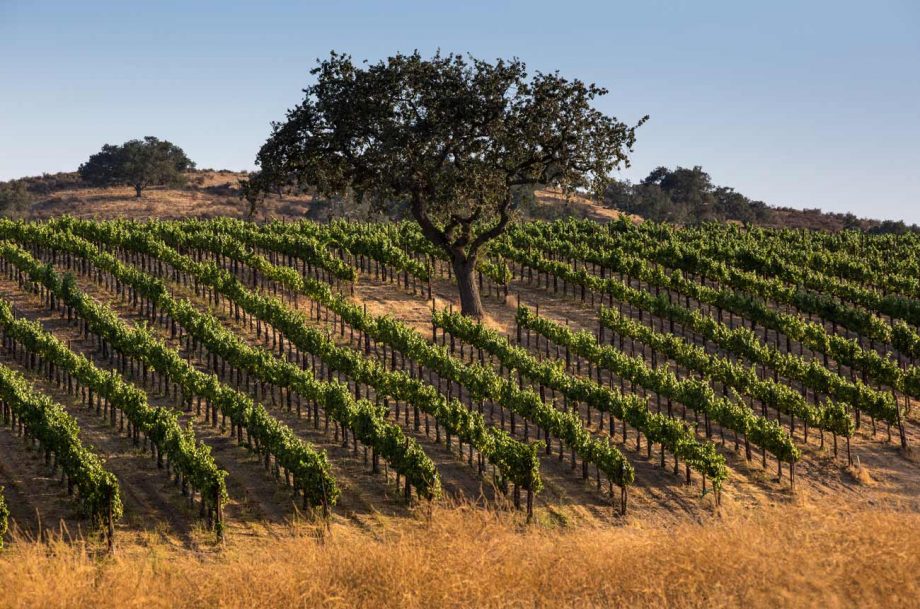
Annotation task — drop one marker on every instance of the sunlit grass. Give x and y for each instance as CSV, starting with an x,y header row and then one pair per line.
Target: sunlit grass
x,y
789,557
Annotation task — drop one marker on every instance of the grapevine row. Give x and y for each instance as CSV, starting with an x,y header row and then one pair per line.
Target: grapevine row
x,y
600,246
668,432
191,460
364,419
830,416
883,370
692,392
517,462
37,416
309,468
482,382
873,265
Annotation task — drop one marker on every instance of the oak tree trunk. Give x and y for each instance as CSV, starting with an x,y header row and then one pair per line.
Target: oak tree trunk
x,y
465,272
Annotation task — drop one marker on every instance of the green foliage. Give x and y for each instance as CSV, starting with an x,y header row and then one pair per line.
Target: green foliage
x,y
670,432
366,420
58,433
161,426
309,467
684,195
516,462
881,368
768,278
482,381
829,415
137,163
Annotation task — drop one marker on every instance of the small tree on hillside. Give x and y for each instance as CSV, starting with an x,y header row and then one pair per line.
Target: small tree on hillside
x,y
253,192
137,163
457,140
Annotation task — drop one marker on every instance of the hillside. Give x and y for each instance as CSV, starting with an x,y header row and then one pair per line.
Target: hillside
x,y
845,532
212,194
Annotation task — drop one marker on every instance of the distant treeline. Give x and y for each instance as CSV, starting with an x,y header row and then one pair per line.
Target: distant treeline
x,y
688,196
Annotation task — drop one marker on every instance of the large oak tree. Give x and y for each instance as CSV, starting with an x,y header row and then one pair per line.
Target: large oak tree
x,y
457,139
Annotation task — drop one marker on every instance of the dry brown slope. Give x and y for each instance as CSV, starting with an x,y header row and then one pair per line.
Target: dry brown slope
x,y
210,194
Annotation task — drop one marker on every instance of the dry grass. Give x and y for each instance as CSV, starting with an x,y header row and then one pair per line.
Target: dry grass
x,y
212,194
861,475
583,206
471,558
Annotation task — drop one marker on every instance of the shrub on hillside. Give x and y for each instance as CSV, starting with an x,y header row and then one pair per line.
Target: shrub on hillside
x,y
14,198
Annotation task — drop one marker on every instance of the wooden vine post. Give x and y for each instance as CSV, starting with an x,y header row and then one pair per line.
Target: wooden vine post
x,y
110,521
218,515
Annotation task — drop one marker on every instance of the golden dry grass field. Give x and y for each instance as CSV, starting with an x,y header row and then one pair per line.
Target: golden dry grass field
x,y
788,557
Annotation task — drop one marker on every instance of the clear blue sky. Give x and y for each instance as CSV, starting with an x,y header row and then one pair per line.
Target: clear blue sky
x,y
805,104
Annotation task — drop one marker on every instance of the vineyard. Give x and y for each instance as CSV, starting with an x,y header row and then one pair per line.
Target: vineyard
x,y
217,374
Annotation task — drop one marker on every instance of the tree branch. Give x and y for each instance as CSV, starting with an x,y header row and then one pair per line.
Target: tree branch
x,y
495,231
467,224
431,232
449,229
